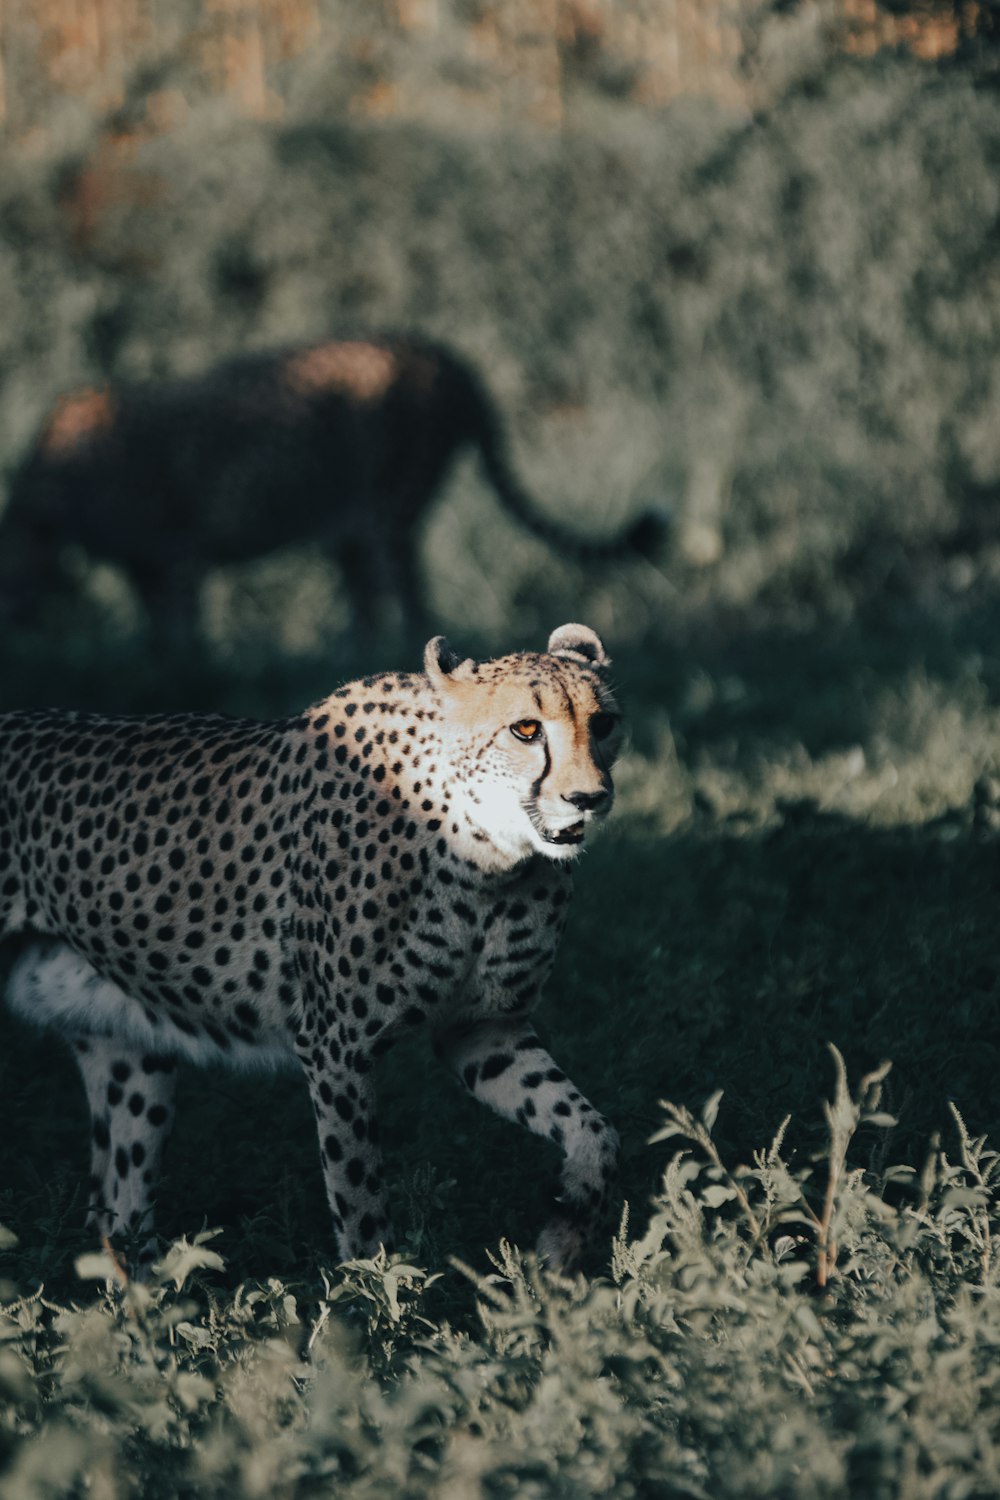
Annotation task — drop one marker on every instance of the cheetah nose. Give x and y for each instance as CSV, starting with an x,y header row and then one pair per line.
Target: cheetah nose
x,y
588,801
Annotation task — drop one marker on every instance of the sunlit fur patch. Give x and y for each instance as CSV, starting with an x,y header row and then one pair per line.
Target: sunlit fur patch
x,y
84,414
361,371
518,791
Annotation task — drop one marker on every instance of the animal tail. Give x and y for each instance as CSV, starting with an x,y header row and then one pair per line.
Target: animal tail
x,y
644,537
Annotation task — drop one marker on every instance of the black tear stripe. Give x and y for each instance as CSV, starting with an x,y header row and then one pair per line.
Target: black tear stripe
x,y
536,786
548,767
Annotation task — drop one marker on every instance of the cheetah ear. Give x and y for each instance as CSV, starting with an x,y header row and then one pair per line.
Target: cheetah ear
x,y
441,663
579,643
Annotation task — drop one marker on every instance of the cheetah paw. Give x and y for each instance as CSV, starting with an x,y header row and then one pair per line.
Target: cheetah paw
x,y
562,1243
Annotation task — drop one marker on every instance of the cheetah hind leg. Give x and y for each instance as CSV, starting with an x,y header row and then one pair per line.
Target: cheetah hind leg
x,y
131,1097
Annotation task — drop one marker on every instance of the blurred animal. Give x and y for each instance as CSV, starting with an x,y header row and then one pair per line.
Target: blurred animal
x,y
341,442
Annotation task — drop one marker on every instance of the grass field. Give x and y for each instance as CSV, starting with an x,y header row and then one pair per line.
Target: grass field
x,y
804,1298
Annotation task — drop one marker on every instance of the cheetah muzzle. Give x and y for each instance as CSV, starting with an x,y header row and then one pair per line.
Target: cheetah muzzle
x,y
305,891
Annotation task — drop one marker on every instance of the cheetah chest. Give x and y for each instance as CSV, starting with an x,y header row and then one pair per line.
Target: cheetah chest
x,y
485,951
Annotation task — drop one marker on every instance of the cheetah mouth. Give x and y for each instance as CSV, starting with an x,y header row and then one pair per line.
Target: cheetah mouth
x,y
572,835
561,835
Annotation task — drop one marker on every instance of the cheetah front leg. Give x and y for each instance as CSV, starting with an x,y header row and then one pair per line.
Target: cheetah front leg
x,y
504,1065
131,1098
344,1105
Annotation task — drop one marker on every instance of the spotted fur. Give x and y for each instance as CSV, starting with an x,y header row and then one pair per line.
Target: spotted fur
x,y
341,442
304,891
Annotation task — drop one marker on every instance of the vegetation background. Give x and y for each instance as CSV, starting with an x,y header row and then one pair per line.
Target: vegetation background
x,y
739,259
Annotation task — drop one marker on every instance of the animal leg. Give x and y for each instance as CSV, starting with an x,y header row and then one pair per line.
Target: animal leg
x,y
344,1105
363,568
131,1098
504,1065
170,598
31,573
404,571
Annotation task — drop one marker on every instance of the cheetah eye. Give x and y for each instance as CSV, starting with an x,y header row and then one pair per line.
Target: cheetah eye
x,y
601,725
526,729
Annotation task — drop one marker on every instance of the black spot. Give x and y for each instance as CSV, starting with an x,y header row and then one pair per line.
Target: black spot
x,y
154,1064
498,1063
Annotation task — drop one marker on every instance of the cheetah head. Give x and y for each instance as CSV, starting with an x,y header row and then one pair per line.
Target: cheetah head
x,y
530,740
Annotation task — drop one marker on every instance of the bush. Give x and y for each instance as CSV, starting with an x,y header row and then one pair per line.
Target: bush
x,y
821,1331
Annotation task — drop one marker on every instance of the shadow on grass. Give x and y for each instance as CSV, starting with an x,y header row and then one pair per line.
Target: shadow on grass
x,y
790,676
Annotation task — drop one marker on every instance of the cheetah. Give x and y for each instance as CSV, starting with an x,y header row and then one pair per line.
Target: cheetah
x,y
306,890
342,442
